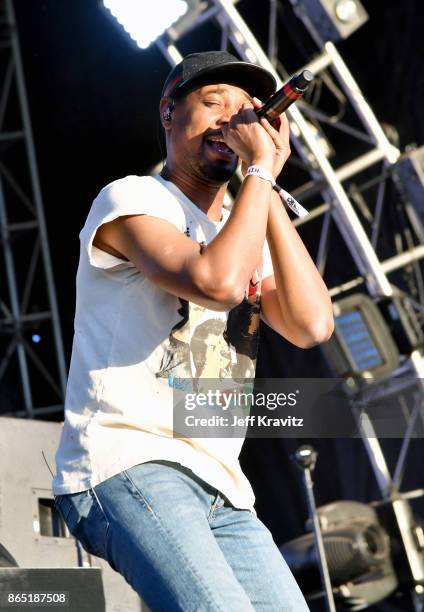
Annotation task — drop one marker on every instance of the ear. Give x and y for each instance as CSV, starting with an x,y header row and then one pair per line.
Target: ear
x,y
166,106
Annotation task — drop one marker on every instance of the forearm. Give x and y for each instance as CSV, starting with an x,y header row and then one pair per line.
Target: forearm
x,y
303,297
235,252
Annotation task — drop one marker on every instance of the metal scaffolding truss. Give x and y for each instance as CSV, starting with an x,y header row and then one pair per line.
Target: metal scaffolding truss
x,y
340,206
32,363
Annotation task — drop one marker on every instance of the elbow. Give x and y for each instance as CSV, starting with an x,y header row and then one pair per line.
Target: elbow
x,y
223,287
222,292
324,331
228,294
319,332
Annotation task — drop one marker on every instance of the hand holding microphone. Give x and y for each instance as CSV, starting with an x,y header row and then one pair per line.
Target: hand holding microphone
x,y
271,111
273,108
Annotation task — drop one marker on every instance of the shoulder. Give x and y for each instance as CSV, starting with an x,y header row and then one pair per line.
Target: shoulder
x,y
135,195
129,186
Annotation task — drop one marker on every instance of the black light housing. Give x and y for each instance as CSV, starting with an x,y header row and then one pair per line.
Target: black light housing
x,y
362,346
330,19
357,549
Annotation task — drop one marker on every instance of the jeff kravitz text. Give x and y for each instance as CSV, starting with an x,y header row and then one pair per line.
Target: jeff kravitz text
x,y
242,421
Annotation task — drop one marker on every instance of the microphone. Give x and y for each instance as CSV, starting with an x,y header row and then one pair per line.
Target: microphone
x,y
272,109
284,97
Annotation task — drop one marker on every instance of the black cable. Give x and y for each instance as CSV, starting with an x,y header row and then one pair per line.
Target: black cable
x,y
317,91
337,93
159,137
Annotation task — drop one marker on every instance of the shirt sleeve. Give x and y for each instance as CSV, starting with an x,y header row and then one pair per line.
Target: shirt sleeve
x,y
132,195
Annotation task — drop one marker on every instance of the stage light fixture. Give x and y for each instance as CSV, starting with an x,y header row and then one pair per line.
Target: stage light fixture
x,y
358,552
362,346
346,10
330,19
144,24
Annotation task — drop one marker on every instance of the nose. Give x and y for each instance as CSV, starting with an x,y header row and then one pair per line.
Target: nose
x,y
229,110
225,116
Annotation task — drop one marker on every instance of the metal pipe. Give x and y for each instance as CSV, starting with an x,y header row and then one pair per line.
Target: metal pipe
x,y
378,212
272,32
389,265
400,464
349,224
26,318
362,107
32,161
14,304
346,171
374,452
318,64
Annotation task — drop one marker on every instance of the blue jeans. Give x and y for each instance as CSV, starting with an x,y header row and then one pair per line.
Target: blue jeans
x,y
180,544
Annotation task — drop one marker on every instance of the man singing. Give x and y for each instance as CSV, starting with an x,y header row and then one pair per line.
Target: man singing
x,y
170,288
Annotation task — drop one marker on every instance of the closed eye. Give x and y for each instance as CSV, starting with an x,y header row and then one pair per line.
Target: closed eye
x,y
212,103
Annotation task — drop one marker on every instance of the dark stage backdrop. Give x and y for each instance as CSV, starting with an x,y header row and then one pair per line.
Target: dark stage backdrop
x,y
93,100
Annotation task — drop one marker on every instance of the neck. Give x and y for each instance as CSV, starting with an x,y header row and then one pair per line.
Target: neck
x,y
207,196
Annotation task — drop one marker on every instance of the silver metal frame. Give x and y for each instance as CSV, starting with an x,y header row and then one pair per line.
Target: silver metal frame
x,y
16,308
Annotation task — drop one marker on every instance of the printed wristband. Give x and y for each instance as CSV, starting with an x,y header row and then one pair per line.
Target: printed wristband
x,y
291,202
261,172
285,196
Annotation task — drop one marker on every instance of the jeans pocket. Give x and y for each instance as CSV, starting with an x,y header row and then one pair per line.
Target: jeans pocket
x,y
85,520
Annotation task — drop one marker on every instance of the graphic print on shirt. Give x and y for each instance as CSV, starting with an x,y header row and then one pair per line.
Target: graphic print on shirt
x,y
211,344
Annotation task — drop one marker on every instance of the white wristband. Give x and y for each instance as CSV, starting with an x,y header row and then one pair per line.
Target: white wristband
x,y
291,202
261,172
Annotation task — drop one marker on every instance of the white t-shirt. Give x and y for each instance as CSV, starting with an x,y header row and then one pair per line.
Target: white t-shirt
x,y
133,340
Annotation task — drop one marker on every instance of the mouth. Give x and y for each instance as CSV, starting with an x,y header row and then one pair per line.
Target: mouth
x,y
218,145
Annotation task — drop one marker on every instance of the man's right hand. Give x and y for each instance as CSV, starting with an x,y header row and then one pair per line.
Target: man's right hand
x,y
257,141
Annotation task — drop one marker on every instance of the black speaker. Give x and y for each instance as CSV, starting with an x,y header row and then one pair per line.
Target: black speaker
x,y
78,589
6,559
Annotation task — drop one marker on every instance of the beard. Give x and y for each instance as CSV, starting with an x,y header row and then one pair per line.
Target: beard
x,y
217,172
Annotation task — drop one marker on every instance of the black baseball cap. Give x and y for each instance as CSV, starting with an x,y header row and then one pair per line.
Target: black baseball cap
x,y
211,67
